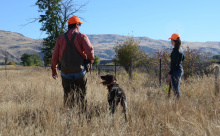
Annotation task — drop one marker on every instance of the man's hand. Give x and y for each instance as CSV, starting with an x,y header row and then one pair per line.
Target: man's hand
x,y
54,74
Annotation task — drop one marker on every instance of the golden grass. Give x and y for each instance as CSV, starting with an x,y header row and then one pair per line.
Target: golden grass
x,y
31,103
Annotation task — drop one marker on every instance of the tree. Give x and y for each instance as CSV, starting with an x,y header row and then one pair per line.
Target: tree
x,y
36,59
31,59
216,57
29,62
24,58
96,61
128,54
55,15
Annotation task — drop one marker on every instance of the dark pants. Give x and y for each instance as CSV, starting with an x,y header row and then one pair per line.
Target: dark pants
x,y
176,79
75,92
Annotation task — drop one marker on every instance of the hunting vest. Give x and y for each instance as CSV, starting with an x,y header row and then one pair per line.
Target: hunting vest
x,y
72,61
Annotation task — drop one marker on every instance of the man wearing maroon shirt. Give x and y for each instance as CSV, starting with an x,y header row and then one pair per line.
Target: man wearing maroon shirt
x,y
72,49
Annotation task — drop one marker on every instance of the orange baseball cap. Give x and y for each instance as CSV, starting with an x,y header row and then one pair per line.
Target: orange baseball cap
x,y
174,36
74,20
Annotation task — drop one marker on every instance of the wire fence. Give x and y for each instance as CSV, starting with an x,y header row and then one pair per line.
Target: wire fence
x,y
159,70
116,69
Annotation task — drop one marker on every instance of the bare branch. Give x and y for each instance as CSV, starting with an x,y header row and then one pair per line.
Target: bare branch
x,y
32,20
77,10
68,9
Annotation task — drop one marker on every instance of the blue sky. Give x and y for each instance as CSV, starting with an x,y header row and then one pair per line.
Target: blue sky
x,y
194,20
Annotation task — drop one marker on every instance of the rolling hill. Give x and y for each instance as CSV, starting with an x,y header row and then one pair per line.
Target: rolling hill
x,y
15,44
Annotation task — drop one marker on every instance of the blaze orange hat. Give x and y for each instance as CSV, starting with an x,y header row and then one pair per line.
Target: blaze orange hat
x,y
74,20
174,36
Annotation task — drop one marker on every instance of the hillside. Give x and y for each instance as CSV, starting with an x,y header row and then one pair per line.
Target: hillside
x,y
104,44
15,45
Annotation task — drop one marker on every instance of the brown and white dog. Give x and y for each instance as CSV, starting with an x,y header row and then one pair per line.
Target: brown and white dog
x,y
115,93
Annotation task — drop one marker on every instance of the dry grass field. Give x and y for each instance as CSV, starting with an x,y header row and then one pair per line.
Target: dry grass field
x,y
31,103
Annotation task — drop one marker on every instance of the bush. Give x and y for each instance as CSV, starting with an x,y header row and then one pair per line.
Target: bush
x,y
216,57
128,54
96,61
12,63
195,62
31,59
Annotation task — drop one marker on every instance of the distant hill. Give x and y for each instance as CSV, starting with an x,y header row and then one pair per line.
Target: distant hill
x,y
15,44
104,44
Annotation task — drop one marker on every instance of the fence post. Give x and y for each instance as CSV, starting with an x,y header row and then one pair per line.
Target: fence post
x,y
115,69
160,73
216,80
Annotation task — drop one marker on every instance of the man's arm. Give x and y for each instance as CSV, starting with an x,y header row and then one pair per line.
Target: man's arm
x,y
55,60
88,48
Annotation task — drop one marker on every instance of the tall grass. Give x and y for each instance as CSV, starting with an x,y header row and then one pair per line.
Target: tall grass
x,y
31,103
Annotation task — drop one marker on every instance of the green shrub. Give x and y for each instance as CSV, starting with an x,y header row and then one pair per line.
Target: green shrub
x,y
12,63
31,59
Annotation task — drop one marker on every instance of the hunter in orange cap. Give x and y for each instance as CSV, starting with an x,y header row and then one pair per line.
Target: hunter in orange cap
x,y
175,36
176,69
74,20
75,52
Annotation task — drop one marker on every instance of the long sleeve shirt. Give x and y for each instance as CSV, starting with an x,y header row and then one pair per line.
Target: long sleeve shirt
x,y
82,44
177,57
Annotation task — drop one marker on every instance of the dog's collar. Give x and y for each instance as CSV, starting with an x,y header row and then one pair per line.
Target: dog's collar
x,y
110,83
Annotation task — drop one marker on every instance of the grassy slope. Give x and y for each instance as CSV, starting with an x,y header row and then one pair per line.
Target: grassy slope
x,y
31,103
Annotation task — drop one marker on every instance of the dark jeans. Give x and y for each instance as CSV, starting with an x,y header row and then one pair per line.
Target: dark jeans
x,y
75,91
176,79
